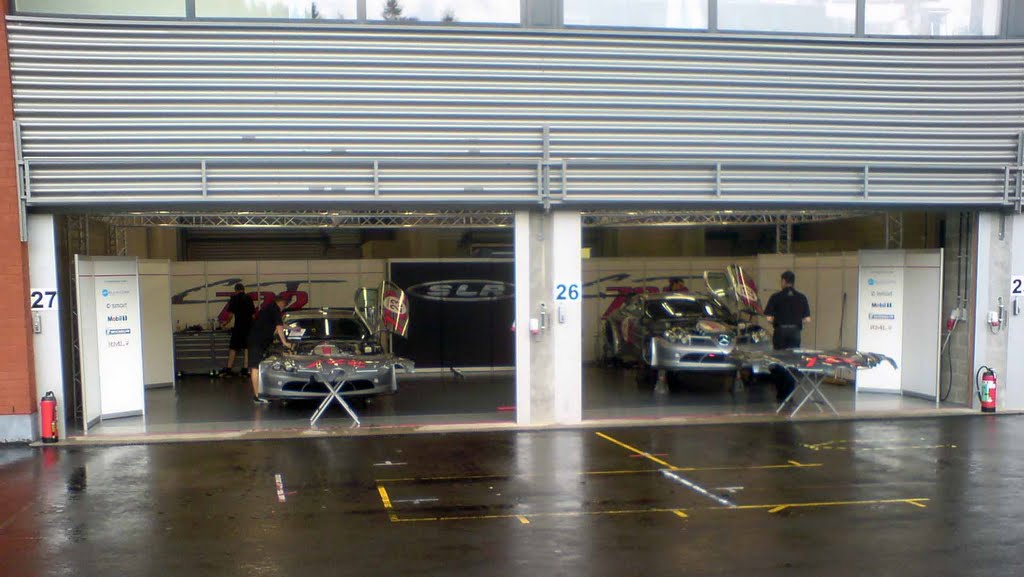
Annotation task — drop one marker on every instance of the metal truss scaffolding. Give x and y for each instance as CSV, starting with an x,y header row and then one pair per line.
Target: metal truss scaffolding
x,y
894,230
784,238
456,219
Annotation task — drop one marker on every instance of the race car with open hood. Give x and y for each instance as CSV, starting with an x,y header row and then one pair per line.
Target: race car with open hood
x,y
686,332
339,345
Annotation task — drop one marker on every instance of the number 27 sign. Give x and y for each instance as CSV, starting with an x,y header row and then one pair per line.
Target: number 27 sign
x,y
42,299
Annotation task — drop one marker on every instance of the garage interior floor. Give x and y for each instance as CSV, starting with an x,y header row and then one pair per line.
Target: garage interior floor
x,y
202,404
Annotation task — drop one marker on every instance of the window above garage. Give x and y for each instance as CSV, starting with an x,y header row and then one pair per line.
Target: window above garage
x,y
900,18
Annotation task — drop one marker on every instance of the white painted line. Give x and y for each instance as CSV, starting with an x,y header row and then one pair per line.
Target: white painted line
x,y
416,501
729,489
697,488
389,464
280,488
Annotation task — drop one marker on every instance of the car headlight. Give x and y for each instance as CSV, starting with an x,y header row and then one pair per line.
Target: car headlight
x,y
285,365
677,335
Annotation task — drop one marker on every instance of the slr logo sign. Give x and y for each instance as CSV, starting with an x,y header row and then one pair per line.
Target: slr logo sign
x,y
459,290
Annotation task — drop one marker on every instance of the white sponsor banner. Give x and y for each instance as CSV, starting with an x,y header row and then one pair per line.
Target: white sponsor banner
x,y
880,325
119,343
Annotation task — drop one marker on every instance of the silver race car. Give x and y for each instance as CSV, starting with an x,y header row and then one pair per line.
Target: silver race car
x,y
686,332
337,345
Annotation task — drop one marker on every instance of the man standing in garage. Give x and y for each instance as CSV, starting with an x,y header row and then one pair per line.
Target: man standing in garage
x,y
241,308
787,311
268,324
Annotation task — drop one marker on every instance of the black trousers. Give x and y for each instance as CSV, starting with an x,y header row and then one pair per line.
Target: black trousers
x,y
785,337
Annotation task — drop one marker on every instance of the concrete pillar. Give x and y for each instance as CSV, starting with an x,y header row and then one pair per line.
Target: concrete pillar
x,y
998,261
999,257
47,339
549,317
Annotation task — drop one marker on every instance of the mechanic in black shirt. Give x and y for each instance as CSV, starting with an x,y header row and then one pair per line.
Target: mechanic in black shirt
x,y
787,311
241,308
268,324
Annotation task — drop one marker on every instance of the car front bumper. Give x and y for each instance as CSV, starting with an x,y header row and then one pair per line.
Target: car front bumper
x,y
669,356
310,383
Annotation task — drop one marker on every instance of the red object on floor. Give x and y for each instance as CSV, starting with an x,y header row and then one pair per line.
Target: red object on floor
x,y
511,408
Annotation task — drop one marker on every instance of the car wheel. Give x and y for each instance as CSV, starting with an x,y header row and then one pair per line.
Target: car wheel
x,y
676,380
646,377
608,358
608,353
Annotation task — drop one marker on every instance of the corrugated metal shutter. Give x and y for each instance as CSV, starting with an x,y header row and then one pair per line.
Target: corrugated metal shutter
x,y
183,112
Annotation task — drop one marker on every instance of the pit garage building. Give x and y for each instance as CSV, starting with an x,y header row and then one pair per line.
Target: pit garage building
x,y
541,148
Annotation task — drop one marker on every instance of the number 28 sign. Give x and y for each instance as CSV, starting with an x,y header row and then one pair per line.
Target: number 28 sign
x,y
42,299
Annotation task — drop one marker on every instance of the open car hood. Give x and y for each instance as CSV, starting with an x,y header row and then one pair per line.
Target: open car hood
x,y
734,288
384,310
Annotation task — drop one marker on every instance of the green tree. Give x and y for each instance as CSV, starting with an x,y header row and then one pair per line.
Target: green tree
x,y
392,10
449,16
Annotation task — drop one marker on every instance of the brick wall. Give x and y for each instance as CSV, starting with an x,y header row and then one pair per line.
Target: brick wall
x,y
17,386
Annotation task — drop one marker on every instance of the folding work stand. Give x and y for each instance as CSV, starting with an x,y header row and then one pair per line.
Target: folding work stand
x,y
333,394
808,382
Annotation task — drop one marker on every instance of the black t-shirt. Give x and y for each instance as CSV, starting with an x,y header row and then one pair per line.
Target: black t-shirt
x,y
243,309
789,307
268,320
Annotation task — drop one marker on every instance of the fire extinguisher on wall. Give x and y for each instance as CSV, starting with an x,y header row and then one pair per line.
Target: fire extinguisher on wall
x,y
985,387
48,418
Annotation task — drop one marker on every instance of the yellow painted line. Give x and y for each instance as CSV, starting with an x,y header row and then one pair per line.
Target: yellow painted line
x,y
772,508
386,500
775,508
788,465
523,520
553,514
634,449
443,478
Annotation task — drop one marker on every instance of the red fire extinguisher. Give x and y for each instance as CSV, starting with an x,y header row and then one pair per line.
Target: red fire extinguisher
x,y
48,418
985,387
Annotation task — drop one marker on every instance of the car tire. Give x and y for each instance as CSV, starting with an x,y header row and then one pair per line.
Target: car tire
x,y
609,357
646,377
676,380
